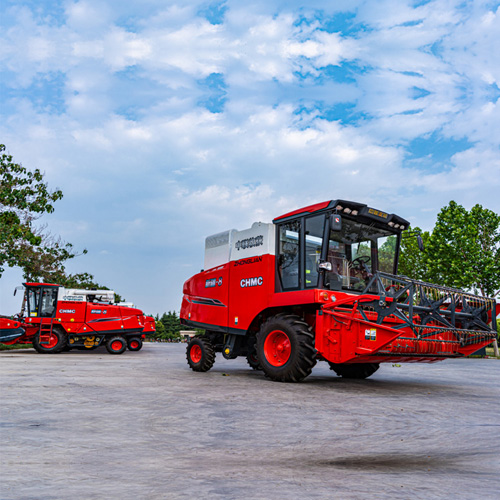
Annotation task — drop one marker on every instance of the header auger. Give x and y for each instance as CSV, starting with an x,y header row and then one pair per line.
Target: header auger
x,y
321,283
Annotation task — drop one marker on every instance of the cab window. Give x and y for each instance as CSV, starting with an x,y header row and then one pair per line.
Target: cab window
x,y
314,242
387,253
42,302
48,302
289,255
33,301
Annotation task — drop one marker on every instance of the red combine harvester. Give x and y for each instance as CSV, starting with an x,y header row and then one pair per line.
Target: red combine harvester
x,y
321,283
60,319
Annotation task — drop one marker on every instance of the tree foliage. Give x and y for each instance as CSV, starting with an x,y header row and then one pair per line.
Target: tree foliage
x,y
168,326
83,281
412,262
21,189
24,197
386,255
45,261
462,251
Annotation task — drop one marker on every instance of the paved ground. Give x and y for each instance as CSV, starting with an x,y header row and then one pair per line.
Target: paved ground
x,y
89,425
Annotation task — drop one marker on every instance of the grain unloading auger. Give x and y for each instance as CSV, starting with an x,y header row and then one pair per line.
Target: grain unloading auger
x,y
321,283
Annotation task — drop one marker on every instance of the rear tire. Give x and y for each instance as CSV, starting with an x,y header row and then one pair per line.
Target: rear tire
x,y
200,354
285,348
134,344
57,342
253,361
355,371
116,345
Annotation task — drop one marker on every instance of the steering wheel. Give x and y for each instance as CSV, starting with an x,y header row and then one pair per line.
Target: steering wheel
x,y
364,259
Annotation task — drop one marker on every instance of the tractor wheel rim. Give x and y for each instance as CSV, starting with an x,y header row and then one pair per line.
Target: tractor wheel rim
x,y
134,344
52,341
195,354
277,348
116,345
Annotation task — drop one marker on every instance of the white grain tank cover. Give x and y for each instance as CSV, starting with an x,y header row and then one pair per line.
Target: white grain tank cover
x,y
217,249
258,240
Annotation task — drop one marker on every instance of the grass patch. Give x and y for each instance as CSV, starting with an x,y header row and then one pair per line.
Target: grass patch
x,y
4,347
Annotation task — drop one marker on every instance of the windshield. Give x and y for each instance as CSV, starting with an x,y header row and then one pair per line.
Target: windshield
x,y
356,252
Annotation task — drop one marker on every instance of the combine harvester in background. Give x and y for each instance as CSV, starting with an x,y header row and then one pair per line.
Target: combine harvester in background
x,y
59,319
321,283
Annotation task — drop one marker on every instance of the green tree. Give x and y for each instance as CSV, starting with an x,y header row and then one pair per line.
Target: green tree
x,y
464,249
24,197
386,255
83,281
172,325
45,261
160,329
412,261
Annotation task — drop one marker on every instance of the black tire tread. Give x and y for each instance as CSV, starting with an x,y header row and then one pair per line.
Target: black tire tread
x,y
57,348
253,362
207,357
109,342
134,349
301,362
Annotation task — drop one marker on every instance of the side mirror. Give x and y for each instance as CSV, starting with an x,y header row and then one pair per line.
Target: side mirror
x,y
420,243
324,266
335,222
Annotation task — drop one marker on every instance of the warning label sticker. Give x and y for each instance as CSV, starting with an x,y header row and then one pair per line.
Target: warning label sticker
x,y
371,334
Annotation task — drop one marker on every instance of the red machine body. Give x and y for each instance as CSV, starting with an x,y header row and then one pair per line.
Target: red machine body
x,y
60,319
321,283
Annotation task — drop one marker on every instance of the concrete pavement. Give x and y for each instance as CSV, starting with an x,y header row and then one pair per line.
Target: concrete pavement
x,y
90,425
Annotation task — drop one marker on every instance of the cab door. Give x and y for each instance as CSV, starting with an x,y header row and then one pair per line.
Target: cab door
x,y
42,302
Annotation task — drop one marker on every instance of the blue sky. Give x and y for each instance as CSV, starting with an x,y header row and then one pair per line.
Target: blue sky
x,y
164,122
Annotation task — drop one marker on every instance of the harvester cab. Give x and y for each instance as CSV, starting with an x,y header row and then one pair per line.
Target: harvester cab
x,y
341,251
321,283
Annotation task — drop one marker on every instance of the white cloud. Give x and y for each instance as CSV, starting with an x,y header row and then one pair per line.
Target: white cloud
x,y
88,16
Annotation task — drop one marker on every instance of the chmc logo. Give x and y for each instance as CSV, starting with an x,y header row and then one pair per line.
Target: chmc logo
x,y
249,282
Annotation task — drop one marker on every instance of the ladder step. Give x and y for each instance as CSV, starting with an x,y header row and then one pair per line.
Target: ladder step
x,y
44,333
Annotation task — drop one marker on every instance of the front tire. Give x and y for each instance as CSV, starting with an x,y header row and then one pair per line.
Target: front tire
x,y
285,348
56,342
355,371
116,345
200,354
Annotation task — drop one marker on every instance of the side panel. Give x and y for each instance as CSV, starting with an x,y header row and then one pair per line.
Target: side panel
x,y
251,289
132,318
251,274
104,318
69,314
206,297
